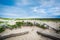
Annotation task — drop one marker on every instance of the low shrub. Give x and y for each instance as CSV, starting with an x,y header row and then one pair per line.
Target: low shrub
x,y
38,25
19,24
41,26
1,22
13,26
29,24
1,29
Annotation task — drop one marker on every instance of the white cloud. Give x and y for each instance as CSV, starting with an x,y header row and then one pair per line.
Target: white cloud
x,y
47,7
47,3
55,11
25,2
22,2
10,14
43,4
14,12
39,10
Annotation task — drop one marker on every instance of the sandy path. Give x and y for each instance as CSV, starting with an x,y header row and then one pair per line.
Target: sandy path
x,y
32,32
32,35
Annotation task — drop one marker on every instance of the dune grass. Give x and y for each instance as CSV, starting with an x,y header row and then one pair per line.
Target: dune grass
x,y
19,24
41,26
29,24
1,22
1,29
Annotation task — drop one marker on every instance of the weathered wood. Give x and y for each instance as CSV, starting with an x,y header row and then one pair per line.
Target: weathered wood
x,y
12,35
56,30
49,36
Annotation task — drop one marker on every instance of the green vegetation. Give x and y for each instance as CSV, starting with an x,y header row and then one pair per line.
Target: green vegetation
x,y
1,22
42,19
13,26
6,18
24,24
29,24
46,19
1,29
40,26
19,24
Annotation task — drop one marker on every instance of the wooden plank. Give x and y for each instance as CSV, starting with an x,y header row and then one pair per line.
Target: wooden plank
x,y
12,35
49,36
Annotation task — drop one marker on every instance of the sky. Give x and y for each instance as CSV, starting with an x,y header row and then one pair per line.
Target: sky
x,y
30,8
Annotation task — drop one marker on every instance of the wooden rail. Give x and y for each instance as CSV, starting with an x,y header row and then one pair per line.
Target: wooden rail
x,y
12,35
49,36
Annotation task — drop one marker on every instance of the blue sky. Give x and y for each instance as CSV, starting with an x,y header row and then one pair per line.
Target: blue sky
x,y
30,8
